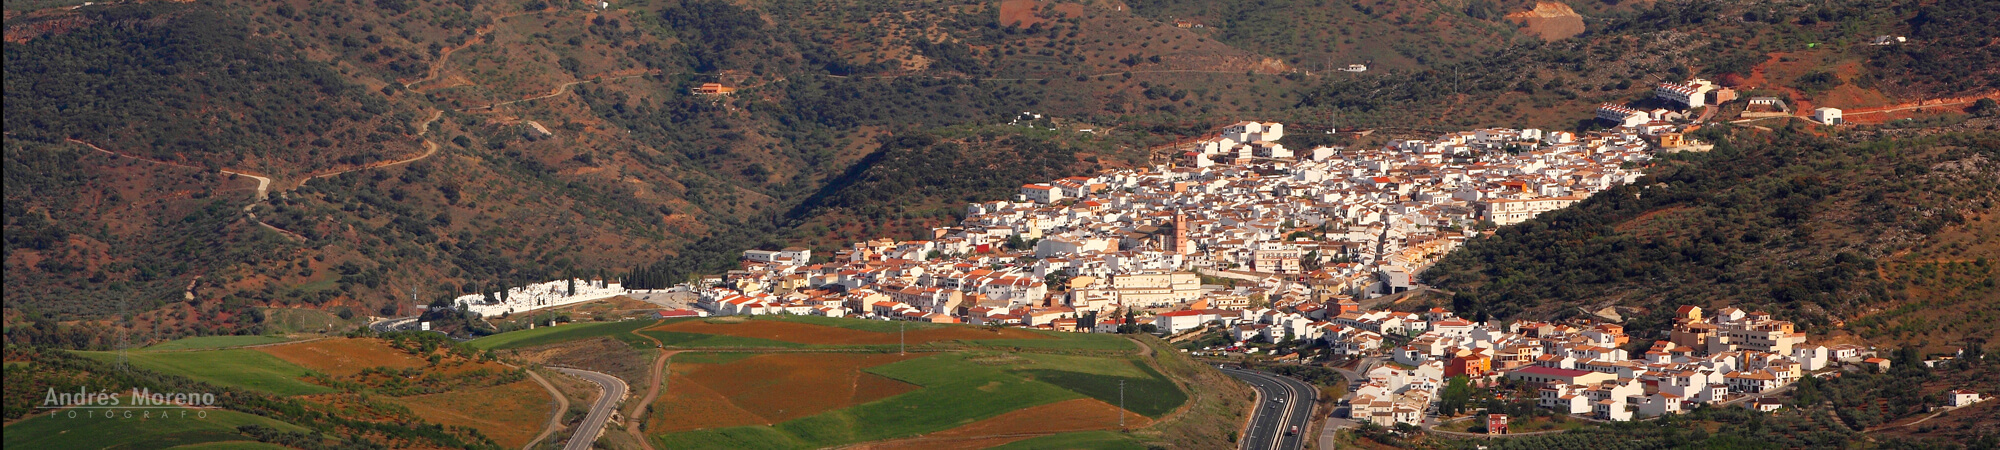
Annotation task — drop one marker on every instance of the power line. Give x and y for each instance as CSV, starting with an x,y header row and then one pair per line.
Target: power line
x,y
1121,404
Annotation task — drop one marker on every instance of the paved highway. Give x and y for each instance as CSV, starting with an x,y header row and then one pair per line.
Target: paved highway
x,y
1271,423
593,423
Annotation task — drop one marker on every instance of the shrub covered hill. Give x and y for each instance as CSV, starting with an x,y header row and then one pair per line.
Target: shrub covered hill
x,y
1890,238
424,149
186,166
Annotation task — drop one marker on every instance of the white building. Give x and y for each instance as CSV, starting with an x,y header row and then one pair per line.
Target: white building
x,y
1041,193
1623,116
1254,132
1693,93
1961,397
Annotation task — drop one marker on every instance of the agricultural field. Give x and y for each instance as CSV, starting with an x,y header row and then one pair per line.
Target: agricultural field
x,y
510,414
801,330
347,356
244,368
1059,417
812,331
213,342
735,389
549,335
1085,439
169,429
965,399
700,340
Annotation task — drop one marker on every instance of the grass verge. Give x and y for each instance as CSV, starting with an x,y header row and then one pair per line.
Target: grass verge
x,y
248,369
213,342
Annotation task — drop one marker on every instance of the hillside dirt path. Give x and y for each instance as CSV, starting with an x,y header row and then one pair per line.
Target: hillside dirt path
x,y
1918,421
656,380
445,55
1920,105
559,90
430,148
555,416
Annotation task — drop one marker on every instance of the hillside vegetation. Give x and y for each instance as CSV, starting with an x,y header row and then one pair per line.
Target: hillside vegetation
x,y
1825,233
542,140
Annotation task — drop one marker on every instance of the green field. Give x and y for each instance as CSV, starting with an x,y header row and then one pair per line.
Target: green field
x,y
212,342
1081,439
621,331
1085,364
248,369
680,339
1153,395
1062,341
957,391
43,431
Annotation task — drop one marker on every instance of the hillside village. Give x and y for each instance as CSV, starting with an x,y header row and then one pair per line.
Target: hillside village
x,y
1317,226
1729,357
1263,243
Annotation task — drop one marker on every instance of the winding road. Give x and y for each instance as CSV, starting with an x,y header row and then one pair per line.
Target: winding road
x,y
561,404
559,90
1287,404
593,423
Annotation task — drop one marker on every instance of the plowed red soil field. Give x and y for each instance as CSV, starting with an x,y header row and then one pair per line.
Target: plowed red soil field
x,y
772,388
343,357
1059,417
511,413
687,405
1020,12
805,333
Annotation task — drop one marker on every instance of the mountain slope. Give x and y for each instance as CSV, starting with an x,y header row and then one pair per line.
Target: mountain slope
x,y
1867,236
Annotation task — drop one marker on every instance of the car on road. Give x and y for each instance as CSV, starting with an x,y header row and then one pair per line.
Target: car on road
x,y
1294,431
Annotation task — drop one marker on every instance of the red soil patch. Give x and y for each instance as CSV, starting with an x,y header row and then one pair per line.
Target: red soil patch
x,y
1059,417
772,388
869,387
786,386
345,357
805,333
1022,12
511,414
1781,69
687,405
1649,216
1550,21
